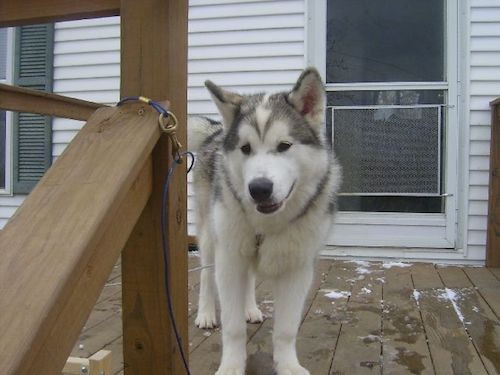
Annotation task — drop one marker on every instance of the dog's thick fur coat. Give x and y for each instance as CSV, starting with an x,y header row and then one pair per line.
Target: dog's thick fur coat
x,y
265,184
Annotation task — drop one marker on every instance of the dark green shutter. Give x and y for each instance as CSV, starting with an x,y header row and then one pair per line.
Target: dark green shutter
x,y
32,134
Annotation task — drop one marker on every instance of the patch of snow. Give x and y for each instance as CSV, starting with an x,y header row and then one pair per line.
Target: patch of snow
x,y
475,309
363,270
361,263
416,296
353,281
453,297
389,265
365,290
336,294
370,338
381,279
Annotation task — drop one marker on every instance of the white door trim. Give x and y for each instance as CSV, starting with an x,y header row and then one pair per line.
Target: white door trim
x,y
441,236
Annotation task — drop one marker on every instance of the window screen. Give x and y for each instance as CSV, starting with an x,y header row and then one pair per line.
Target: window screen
x,y
393,150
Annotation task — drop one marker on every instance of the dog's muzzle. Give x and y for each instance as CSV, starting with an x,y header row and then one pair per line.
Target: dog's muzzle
x,y
261,191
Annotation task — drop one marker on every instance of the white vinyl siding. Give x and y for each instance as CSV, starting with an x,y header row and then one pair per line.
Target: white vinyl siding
x,y
86,66
246,46
9,205
484,86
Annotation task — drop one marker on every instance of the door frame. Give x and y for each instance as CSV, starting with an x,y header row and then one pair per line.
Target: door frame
x,y
384,229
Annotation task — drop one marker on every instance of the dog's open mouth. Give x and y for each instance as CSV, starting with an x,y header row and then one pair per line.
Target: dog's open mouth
x,y
268,207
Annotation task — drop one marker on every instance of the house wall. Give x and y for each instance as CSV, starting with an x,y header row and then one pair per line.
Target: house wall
x,y
484,86
260,45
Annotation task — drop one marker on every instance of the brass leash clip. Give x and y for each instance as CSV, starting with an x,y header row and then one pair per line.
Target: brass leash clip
x,y
169,126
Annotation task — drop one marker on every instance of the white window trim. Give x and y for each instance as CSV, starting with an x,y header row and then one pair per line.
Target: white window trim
x,y
8,118
456,232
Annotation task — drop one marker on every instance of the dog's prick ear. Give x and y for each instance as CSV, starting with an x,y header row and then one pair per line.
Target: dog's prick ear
x,y
228,103
308,97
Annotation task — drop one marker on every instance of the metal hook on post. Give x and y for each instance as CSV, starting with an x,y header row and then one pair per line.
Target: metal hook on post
x,y
168,125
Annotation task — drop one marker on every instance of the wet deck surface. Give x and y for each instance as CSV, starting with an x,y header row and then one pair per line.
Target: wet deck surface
x,y
360,318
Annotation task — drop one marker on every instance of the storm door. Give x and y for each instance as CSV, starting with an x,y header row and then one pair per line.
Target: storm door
x,y
391,120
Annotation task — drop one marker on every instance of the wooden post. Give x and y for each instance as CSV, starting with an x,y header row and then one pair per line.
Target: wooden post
x,y
493,238
154,64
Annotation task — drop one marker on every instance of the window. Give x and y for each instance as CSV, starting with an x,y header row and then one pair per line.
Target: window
x,y
25,139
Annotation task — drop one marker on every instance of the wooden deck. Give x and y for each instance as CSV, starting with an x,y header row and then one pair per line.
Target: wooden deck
x,y
360,318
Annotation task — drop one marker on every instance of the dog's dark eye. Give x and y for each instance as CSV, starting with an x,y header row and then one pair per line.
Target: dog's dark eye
x,y
246,149
283,146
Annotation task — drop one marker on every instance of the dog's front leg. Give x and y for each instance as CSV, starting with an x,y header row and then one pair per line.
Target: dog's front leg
x,y
231,272
290,290
206,317
252,311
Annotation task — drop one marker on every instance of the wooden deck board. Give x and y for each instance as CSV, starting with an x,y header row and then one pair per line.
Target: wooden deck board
x,y
487,285
495,272
320,329
379,329
359,349
454,277
405,348
452,350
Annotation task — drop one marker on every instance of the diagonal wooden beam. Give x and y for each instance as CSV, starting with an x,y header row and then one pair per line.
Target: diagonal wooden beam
x,y
29,12
60,246
19,99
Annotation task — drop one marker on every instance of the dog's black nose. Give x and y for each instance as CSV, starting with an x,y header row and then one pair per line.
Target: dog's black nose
x,y
261,189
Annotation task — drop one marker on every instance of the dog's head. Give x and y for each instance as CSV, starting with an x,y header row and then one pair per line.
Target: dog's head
x,y
273,142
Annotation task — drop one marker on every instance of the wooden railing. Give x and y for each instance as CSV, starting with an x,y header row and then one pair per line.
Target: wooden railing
x,y
493,237
101,197
25,100
61,244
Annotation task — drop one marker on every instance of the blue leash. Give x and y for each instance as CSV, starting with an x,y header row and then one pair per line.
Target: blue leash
x,y
143,99
165,246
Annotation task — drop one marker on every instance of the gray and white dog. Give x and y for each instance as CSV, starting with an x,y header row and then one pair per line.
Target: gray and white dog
x,y
265,184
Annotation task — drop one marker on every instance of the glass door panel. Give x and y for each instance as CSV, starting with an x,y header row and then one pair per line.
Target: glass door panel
x,y
385,41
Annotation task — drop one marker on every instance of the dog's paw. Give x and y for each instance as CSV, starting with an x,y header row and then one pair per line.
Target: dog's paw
x,y
206,320
291,370
230,370
254,315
